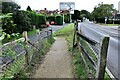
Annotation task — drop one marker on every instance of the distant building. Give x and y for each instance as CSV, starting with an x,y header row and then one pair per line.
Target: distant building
x,y
119,7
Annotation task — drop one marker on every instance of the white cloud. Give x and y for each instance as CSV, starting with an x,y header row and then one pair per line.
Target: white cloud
x,y
54,4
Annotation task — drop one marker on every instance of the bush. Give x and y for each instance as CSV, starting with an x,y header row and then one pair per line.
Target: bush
x,y
40,19
32,16
67,18
100,20
7,24
23,21
59,20
26,19
51,18
36,19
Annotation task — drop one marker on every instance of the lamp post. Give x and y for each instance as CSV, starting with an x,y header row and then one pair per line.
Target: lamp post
x,y
105,20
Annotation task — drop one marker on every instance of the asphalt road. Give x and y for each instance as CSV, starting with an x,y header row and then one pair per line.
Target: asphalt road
x,y
33,38
97,32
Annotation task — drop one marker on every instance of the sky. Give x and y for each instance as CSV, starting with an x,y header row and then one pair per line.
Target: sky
x,y
54,4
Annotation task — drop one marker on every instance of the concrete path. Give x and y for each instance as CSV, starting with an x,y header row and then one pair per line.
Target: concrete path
x,y
57,62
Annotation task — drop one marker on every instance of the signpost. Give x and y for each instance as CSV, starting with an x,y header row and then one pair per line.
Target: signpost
x,y
70,6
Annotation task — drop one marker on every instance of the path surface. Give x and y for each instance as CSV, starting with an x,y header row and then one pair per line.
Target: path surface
x,y
57,62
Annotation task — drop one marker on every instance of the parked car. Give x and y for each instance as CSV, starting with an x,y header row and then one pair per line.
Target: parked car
x,y
52,22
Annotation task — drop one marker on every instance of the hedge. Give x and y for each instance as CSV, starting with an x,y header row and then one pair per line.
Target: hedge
x,y
36,19
51,18
40,19
21,21
59,20
67,18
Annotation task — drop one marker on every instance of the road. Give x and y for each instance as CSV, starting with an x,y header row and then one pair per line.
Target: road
x,y
33,38
97,32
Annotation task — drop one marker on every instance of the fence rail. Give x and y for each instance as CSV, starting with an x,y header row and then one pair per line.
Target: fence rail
x,y
79,40
27,46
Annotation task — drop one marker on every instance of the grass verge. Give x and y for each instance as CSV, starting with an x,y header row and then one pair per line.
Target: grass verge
x,y
79,67
65,30
109,24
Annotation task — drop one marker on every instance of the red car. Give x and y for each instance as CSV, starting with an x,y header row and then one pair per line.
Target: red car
x,y
52,22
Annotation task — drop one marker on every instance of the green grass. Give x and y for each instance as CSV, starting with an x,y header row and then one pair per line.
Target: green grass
x,y
65,30
88,50
109,24
32,32
79,67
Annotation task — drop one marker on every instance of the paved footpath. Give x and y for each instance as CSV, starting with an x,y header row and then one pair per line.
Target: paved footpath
x,y
57,62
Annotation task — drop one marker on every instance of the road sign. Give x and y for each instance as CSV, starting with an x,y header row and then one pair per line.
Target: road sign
x,y
67,6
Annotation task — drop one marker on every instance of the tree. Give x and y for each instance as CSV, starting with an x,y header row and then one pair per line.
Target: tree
x,y
76,15
8,25
9,7
102,11
22,20
28,8
85,13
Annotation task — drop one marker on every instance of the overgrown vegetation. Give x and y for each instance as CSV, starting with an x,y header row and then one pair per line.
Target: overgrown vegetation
x,y
18,68
37,57
15,36
79,66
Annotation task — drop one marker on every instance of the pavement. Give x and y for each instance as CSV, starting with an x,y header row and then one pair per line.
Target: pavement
x,y
33,38
57,62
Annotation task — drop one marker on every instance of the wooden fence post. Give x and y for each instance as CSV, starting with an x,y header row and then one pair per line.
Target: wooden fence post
x,y
74,34
51,32
26,52
47,31
102,59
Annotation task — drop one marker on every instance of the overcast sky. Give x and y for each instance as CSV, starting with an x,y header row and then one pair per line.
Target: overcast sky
x,y
54,4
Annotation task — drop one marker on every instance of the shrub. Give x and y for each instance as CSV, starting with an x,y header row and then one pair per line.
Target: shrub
x,y
59,20
51,18
40,19
67,18
7,24
23,21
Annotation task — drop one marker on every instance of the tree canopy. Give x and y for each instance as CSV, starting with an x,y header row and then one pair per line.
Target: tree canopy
x,y
85,13
9,7
103,11
28,8
76,15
